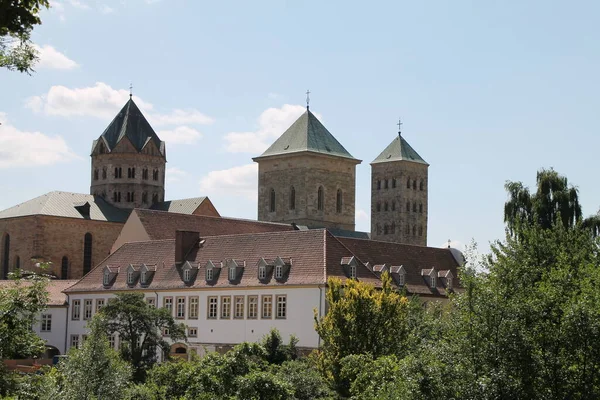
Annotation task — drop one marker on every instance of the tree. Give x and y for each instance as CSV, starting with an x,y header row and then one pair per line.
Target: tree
x,y
140,327
555,200
96,371
361,320
17,19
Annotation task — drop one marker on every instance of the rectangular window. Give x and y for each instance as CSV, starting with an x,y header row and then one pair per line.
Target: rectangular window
x,y
262,272
225,307
99,304
252,307
168,304
209,274
239,307
87,309
151,301
46,322
401,279
192,332
267,307
278,272
281,306
83,339
76,310
212,307
193,311
166,332
180,308
75,341
232,273
112,341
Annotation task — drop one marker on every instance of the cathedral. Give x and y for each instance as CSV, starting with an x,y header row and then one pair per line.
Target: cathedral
x,y
306,179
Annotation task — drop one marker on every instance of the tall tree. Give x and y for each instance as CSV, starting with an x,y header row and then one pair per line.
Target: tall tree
x,y
140,327
555,200
17,19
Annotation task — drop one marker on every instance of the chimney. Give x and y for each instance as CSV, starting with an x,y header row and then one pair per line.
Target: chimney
x,y
184,242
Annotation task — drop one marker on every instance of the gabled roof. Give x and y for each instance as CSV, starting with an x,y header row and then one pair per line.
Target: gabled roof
x,y
163,225
131,123
399,150
69,205
183,206
307,134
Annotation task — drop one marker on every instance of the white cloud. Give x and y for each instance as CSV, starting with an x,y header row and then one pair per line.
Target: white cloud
x,y
78,4
237,181
102,101
179,117
175,174
51,58
104,9
271,124
180,135
29,149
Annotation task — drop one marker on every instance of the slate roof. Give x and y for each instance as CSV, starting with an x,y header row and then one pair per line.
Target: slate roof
x,y
183,206
55,287
63,204
314,257
399,150
307,134
130,123
163,225
413,258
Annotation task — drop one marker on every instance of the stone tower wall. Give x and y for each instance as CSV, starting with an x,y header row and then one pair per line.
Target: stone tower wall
x,y
306,172
107,185
399,223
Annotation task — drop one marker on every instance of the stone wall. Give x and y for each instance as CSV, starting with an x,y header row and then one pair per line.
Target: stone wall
x,y
397,223
306,172
47,238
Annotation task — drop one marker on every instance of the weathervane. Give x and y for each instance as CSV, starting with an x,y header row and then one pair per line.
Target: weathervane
x,y
307,99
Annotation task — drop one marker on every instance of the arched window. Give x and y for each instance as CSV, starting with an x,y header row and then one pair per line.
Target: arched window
x,y
378,184
393,183
393,228
378,207
17,263
415,184
129,172
338,202
385,206
407,206
393,206
64,268
145,174
414,230
407,229
104,173
408,183
385,229
95,174
87,253
385,182
420,207
133,172
115,197
320,198
272,201
421,185
415,207
116,172
144,197
5,256
155,198
155,175
420,230
292,198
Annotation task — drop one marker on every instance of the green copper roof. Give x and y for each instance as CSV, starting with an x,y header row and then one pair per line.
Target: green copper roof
x,y
307,134
399,150
131,123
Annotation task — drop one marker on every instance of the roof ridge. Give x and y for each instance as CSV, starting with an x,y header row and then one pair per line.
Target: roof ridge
x,y
214,217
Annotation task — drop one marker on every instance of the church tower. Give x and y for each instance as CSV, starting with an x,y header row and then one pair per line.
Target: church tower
x,y
399,194
128,161
307,177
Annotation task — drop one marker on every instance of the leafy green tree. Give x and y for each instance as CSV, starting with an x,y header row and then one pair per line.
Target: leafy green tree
x,y
261,385
303,376
361,320
95,371
17,19
140,328
554,200
276,351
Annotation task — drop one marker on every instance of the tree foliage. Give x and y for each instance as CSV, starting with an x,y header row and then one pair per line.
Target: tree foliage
x,y
17,20
140,328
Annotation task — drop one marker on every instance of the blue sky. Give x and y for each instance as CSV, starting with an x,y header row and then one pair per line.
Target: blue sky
x,y
487,91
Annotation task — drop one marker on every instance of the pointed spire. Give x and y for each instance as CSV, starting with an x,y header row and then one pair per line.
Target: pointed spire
x,y
307,100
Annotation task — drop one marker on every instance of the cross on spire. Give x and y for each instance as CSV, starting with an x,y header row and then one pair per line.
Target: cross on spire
x,y
307,99
130,90
399,126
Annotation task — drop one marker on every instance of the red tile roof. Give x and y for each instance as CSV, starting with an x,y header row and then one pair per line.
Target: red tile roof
x,y
162,225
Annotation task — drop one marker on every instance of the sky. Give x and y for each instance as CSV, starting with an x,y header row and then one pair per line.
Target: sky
x,y
487,92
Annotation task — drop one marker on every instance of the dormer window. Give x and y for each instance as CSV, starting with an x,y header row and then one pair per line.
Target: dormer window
x,y
209,274
262,272
278,271
232,273
449,282
106,278
143,277
401,279
187,275
352,271
432,279
130,277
